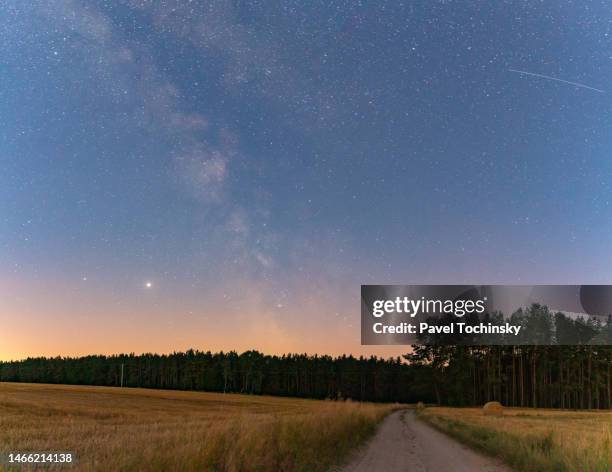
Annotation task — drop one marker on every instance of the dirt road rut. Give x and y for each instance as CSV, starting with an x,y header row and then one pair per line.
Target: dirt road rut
x,y
404,443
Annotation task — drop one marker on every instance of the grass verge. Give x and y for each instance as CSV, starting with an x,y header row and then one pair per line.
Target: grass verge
x,y
534,440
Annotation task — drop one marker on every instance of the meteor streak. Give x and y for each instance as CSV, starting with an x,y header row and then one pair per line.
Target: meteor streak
x,y
542,76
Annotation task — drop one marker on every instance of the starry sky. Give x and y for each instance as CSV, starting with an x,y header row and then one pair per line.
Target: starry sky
x,y
225,175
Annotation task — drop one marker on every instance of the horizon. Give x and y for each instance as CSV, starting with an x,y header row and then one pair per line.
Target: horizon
x,y
215,352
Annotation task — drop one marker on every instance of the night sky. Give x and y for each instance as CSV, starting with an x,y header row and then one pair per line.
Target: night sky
x,y
225,176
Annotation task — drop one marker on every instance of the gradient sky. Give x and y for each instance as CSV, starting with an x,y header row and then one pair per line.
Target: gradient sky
x,y
225,176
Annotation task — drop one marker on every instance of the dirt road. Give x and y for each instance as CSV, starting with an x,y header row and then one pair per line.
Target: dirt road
x,y
404,443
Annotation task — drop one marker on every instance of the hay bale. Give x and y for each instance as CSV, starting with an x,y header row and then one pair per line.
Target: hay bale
x,y
493,409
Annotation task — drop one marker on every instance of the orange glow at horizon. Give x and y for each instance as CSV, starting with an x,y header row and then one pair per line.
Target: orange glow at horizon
x,y
55,319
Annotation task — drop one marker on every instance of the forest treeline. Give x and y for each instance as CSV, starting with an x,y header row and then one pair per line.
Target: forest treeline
x,y
569,376
300,375
562,362
575,377
536,376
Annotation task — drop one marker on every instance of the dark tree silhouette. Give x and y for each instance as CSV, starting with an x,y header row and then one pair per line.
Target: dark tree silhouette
x,y
554,376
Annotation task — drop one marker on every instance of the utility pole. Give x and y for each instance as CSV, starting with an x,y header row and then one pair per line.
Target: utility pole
x,y
122,374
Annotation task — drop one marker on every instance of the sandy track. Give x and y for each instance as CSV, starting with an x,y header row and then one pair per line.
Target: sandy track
x,y
404,443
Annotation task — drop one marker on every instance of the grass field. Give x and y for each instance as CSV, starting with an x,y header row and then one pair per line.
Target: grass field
x,y
138,429
533,439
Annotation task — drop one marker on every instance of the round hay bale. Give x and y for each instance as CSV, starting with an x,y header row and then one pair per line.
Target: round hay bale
x,y
493,409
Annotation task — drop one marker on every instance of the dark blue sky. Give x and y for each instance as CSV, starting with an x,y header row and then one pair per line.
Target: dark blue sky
x,y
276,155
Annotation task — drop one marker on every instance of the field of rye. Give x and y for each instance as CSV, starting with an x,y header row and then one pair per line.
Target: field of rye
x,y
535,440
137,429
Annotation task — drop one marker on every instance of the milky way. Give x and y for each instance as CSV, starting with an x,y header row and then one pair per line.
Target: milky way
x,y
171,171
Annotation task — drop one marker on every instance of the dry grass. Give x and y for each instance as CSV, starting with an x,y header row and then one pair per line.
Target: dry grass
x,y
533,439
139,429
